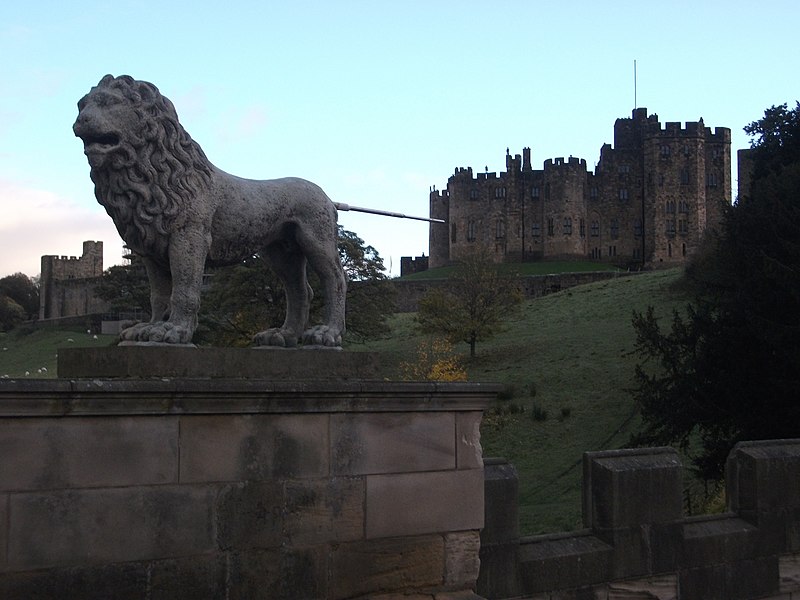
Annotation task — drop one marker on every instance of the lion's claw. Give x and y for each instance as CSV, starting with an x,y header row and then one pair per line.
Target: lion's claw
x,y
280,338
322,335
161,331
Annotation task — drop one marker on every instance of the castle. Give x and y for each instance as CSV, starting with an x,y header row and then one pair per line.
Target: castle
x,y
67,283
650,199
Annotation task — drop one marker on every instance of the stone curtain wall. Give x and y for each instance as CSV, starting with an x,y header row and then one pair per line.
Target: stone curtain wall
x,y
209,488
411,291
637,544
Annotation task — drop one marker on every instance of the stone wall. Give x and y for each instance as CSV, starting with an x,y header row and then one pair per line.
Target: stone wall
x,y
251,488
637,544
410,291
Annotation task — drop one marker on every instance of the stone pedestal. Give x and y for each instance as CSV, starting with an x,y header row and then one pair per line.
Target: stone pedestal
x,y
201,487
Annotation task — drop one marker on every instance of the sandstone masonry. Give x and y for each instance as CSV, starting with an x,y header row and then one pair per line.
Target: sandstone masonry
x,y
650,199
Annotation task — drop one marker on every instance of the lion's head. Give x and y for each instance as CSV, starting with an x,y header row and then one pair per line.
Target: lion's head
x,y
145,166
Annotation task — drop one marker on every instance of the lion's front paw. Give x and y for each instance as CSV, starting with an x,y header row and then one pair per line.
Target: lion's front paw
x,y
278,337
163,332
322,335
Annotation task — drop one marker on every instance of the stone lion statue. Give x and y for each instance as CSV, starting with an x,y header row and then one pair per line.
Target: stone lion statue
x,y
180,213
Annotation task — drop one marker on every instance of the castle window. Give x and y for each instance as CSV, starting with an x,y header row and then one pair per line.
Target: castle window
x,y
612,250
683,226
550,227
623,193
685,150
637,228
712,180
547,191
471,231
453,233
595,229
669,207
500,229
593,193
661,180
624,169
669,250
473,194
614,229
536,230
665,150
684,176
499,192
583,228
715,153
535,192
683,249
567,226
683,206
670,227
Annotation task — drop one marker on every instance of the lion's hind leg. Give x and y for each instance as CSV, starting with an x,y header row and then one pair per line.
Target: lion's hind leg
x,y
290,267
323,255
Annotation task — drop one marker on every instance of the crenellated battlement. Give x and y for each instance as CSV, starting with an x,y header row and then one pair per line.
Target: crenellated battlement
x,y
558,163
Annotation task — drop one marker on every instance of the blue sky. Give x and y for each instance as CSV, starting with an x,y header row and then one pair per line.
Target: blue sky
x,y
374,101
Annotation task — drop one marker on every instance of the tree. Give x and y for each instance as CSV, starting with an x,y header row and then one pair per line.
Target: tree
x,y
246,298
23,291
727,370
475,303
125,287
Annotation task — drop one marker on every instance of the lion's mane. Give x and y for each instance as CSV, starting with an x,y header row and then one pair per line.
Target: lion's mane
x,y
154,174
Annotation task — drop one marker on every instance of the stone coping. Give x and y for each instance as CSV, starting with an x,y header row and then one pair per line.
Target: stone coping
x,y
79,397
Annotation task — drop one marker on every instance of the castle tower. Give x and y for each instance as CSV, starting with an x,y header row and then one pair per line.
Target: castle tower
x,y
60,294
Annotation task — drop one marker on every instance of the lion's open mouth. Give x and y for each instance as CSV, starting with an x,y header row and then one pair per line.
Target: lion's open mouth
x,y
100,142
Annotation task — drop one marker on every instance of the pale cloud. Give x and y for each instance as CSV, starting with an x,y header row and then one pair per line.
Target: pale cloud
x,y
244,124
38,222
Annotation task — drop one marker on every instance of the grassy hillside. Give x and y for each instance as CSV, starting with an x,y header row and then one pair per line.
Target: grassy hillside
x,y
567,359
34,351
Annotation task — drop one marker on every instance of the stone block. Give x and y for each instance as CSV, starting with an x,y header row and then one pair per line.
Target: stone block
x,y
563,561
710,541
253,447
586,592
365,443
3,530
250,515
657,587
126,581
53,453
461,559
469,454
416,503
789,570
499,571
743,580
253,363
189,578
285,574
375,566
501,502
112,525
763,476
323,511
629,488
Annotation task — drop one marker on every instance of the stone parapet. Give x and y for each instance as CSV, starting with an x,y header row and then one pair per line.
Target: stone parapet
x,y
251,488
638,544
